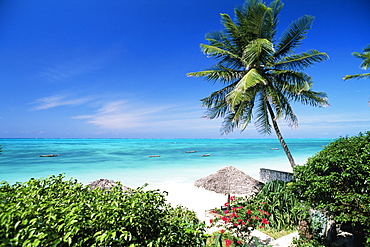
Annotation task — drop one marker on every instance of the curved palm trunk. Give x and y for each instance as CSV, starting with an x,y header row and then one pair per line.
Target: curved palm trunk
x,y
280,136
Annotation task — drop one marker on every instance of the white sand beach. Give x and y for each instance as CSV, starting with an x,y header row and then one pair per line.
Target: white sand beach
x,y
197,199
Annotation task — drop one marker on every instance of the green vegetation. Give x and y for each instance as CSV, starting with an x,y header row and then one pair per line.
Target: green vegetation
x,y
54,212
275,210
276,197
365,56
260,77
337,181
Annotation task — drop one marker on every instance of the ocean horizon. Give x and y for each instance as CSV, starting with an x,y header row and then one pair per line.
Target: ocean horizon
x,y
138,161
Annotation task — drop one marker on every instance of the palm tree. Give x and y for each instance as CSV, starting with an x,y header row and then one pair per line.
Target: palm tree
x,y
260,77
364,65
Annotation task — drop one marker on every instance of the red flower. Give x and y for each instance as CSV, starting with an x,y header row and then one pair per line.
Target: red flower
x,y
264,221
243,223
263,202
228,242
249,211
239,242
227,211
262,226
239,220
226,204
222,231
210,221
232,198
236,224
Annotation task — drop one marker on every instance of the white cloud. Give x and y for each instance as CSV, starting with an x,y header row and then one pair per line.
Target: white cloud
x,y
58,100
124,115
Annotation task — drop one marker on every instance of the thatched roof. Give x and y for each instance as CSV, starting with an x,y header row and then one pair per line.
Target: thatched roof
x,y
229,180
105,184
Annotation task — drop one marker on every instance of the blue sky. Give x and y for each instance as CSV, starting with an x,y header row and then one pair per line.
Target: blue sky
x,y
117,69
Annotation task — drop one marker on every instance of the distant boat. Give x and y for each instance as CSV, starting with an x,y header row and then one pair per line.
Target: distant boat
x,y
150,156
191,151
49,155
274,149
205,155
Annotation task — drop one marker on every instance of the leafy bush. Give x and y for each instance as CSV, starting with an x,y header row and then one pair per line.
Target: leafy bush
x,y
54,212
337,180
276,197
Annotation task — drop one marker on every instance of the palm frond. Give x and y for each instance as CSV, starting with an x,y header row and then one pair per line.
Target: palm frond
x,y
293,36
229,123
301,61
218,39
244,113
365,57
291,81
256,18
240,91
222,40
282,106
217,97
216,52
262,122
358,76
367,48
311,98
218,73
219,110
239,117
276,7
259,51
232,30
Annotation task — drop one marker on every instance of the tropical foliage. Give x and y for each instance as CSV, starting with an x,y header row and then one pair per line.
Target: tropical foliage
x,y
337,180
276,197
365,56
54,212
260,75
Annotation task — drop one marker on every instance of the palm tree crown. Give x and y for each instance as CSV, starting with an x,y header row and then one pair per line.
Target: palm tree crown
x,y
260,76
365,56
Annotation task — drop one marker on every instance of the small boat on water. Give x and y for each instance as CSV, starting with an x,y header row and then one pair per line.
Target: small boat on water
x,y
205,155
274,149
150,156
191,152
49,155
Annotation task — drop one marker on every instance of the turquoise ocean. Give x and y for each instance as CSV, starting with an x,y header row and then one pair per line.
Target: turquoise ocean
x,y
128,161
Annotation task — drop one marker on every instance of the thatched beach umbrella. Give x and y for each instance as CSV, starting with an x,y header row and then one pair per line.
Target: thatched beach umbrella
x,y
229,180
105,184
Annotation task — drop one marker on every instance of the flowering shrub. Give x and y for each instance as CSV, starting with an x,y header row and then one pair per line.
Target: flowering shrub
x,y
239,221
